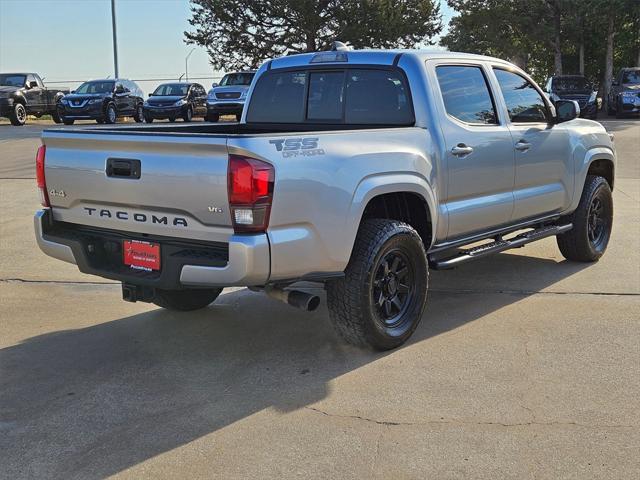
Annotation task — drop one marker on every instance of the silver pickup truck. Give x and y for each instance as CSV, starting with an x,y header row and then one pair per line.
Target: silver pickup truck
x,y
357,169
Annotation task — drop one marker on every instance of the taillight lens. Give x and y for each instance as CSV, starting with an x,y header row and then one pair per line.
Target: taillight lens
x,y
40,178
250,189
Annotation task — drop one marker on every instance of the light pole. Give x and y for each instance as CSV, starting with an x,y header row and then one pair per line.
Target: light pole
x,y
115,37
186,63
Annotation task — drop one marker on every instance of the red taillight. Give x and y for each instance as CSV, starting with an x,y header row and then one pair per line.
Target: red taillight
x,y
250,189
40,178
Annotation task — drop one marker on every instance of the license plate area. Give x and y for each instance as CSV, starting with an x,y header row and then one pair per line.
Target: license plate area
x,y
141,255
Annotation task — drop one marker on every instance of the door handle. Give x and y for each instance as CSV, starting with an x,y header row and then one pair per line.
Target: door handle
x,y
523,146
461,150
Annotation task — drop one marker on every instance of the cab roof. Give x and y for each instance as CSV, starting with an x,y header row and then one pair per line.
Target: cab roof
x,y
378,57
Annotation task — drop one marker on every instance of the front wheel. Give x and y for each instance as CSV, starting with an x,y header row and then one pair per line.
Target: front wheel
x,y
138,116
185,300
55,116
380,301
188,115
592,222
110,114
18,115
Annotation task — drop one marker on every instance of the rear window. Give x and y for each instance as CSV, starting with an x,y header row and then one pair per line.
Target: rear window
x,y
357,96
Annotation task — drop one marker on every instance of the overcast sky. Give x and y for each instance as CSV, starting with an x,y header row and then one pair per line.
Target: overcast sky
x,y
65,40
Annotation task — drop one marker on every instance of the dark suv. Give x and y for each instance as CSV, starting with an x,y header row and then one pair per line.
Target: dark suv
x,y
103,101
574,87
624,96
173,100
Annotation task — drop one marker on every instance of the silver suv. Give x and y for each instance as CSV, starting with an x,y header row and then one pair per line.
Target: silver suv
x,y
360,170
228,97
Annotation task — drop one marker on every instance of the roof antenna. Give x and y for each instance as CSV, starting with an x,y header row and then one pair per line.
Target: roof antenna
x,y
339,47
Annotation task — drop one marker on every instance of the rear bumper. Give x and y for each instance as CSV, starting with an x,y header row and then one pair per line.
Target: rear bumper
x,y
243,261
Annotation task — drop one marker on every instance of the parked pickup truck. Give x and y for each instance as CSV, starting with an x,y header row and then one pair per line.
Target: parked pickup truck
x,y
23,94
358,169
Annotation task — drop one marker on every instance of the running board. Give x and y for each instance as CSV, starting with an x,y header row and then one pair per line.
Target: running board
x,y
499,245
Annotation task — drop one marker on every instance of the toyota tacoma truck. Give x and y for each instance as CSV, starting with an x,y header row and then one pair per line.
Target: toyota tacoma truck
x,y
23,94
361,170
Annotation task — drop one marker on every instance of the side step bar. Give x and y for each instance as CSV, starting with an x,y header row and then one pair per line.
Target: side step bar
x,y
498,245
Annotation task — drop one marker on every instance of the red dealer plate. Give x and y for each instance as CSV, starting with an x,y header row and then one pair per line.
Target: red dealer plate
x,y
141,255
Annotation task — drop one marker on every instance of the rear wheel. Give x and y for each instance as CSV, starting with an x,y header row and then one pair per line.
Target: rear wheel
x,y
18,115
592,221
380,301
55,116
185,300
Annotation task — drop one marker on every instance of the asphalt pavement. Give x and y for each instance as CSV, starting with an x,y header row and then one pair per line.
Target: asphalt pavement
x,y
524,366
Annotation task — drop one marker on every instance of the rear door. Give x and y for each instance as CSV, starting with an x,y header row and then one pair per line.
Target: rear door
x,y
171,185
479,149
122,98
544,167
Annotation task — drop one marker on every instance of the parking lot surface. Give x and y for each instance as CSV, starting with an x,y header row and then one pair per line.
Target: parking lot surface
x,y
524,366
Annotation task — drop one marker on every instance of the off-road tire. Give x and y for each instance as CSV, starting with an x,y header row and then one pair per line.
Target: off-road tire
x,y
185,300
108,118
18,115
352,308
138,116
576,244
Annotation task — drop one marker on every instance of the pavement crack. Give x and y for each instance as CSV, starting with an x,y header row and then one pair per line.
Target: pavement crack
x,y
443,421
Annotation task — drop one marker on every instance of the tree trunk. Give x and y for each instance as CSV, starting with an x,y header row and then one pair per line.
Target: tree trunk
x,y
557,45
608,66
581,45
581,53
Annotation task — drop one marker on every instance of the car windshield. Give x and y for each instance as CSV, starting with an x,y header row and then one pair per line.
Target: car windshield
x,y
571,84
236,79
13,80
96,87
631,77
173,89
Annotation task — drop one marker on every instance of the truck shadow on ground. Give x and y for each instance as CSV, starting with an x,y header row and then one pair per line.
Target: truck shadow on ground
x,y
92,402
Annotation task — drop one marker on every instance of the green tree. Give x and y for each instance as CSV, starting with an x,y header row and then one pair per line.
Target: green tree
x,y
243,33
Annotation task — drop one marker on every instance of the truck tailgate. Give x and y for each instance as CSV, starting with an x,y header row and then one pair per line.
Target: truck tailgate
x,y
170,185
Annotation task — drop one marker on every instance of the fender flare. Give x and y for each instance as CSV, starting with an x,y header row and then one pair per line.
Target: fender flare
x,y
582,167
380,184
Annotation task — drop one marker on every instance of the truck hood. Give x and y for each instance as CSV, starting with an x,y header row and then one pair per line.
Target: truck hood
x,y
7,91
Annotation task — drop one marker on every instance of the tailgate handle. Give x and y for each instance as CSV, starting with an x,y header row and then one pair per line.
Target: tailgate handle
x,y
123,168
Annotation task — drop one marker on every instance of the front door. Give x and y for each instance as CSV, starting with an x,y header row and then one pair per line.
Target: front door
x,y
544,164
479,151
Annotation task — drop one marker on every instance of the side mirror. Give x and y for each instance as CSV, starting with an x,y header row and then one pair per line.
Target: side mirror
x,y
214,85
32,84
119,89
151,94
567,110
72,91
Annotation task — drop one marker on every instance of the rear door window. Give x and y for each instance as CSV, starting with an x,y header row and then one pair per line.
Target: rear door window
x,y
466,94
